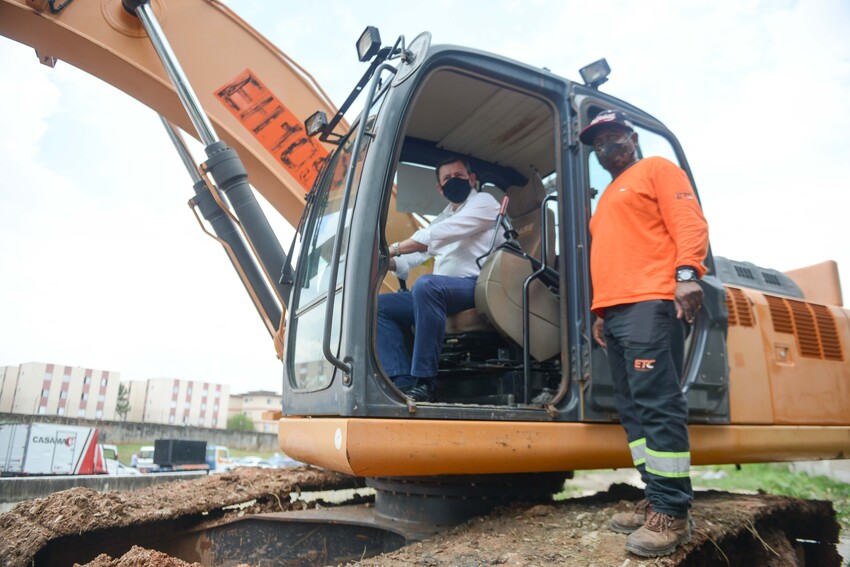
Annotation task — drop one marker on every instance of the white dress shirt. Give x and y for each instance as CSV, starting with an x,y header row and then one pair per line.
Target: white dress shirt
x,y
456,238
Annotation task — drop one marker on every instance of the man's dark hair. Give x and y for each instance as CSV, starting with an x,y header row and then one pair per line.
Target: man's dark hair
x,y
451,159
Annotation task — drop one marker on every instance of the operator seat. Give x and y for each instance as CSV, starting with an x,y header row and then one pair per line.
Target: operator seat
x,y
498,300
524,210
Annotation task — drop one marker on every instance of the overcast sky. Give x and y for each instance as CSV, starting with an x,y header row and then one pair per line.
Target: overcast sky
x,y
103,266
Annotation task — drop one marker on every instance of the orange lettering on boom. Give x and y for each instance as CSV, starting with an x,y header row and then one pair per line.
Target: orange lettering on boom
x,y
274,126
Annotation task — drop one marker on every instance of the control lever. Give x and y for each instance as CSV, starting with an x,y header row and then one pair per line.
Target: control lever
x,y
503,221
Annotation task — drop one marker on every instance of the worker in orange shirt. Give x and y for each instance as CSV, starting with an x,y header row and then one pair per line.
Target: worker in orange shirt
x,y
649,241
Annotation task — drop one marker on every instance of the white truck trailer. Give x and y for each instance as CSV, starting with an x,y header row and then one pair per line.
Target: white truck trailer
x,y
49,449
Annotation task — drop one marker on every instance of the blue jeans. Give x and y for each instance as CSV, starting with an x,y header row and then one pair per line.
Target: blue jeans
x,y
425,307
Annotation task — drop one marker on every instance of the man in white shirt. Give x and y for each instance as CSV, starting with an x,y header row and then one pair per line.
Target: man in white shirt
x,y
460,234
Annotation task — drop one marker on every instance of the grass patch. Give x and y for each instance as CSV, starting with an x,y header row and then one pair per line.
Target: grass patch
x,y
778,479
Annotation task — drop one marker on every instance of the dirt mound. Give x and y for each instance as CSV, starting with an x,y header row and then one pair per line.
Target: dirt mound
x,y
140,557
28,527
732,529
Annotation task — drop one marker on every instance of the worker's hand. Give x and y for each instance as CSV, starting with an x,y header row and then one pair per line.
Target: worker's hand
x,y
688,300
597,332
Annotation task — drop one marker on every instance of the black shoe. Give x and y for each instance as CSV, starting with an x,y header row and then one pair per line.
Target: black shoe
x,y
544,397
419,393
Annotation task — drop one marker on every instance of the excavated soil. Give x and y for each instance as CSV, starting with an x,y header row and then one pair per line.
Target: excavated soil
x,y
732,529
28,527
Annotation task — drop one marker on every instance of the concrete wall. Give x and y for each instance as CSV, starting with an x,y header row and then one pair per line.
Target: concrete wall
x,y
119,432
14,490
836,470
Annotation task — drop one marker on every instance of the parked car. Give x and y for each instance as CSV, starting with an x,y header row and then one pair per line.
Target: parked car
x,y
117,468
253,462
279,461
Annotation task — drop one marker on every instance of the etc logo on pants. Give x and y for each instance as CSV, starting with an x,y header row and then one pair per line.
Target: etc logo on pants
x,y
644,365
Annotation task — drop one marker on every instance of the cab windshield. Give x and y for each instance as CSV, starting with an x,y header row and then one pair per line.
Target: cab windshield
x,y
310,369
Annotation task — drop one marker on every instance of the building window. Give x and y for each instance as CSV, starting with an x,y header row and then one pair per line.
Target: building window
x,y
87,380
63,395
81,413
44,393
48,376
42,410
98,414
171,419
175,390
215,407
189,391
84,397
173,404
186,405
60,411
217,394
204,407
101,398
206,390
66,378
102,382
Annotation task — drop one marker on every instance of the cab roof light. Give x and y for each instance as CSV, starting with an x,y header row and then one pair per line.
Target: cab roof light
x,y
368,44
596,73
316,123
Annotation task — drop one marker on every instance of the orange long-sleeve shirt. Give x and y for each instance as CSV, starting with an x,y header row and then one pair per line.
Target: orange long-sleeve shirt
x,y
648,222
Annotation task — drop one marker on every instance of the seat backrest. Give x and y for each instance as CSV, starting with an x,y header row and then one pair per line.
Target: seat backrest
x,y
498,299
524,210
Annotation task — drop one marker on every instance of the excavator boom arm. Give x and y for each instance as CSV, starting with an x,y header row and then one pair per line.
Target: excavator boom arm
x,y
255,96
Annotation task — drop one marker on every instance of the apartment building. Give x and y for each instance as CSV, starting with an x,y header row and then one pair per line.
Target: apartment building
x,y
179,402
39,388
253,405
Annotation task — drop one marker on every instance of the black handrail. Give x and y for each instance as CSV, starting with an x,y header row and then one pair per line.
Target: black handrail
x,y
343,212
526,339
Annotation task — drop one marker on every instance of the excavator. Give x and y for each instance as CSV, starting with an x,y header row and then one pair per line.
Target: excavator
x,y
524,395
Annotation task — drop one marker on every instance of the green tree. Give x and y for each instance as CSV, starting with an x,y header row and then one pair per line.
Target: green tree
x,y
122,407
240,422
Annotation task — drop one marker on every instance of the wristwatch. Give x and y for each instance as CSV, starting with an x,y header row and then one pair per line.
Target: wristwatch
x,y
397,248
686,274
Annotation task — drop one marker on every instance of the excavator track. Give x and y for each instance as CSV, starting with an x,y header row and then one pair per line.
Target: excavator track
x,y
248,517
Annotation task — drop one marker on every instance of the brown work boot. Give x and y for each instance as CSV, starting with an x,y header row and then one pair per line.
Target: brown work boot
x,y
660,535
627,522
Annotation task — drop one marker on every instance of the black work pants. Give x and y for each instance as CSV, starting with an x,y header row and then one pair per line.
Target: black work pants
x,y
645,352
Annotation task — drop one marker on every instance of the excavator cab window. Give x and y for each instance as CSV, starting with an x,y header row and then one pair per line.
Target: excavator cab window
x,y
310,369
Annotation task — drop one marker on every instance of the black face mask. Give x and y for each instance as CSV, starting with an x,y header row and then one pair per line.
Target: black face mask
x,y
610,149
456,189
